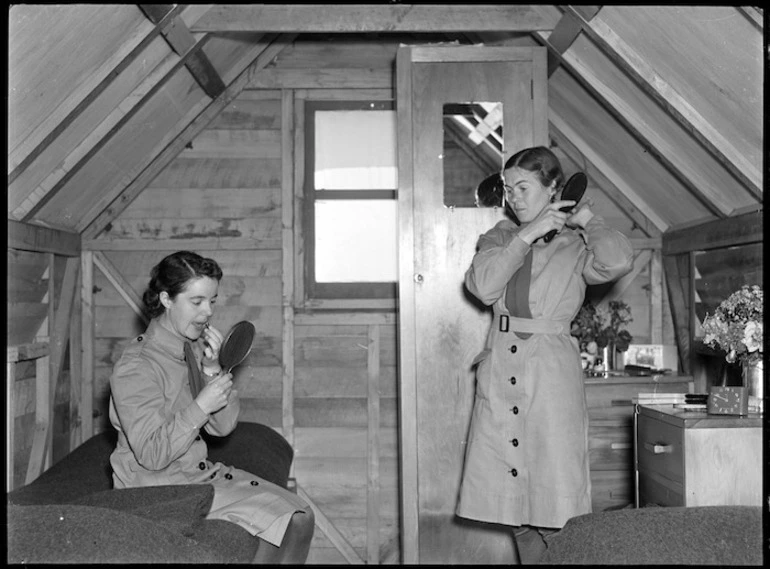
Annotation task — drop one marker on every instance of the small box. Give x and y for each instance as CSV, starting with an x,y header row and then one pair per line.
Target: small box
x,y
655,356
728,401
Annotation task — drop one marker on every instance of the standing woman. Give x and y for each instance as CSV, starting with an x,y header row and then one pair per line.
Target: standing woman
x,y
526,462
158,417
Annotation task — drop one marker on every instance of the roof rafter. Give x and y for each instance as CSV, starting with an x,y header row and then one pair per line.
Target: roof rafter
x,y
265,54
182,41
692,178
112,124
658,88
120,64
614,185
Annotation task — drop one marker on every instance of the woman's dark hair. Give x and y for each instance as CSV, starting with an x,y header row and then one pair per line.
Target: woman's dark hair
x,y
173,274
541,161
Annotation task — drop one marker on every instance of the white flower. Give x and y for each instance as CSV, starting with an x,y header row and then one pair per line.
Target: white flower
x,y
592,348
752,336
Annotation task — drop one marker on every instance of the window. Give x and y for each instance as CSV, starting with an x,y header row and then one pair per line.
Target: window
x,y
350,207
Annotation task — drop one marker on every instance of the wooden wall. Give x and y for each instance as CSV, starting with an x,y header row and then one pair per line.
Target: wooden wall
x,y
227,196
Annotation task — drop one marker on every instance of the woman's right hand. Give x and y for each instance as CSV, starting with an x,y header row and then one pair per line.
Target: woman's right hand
x,y
550,217
216,393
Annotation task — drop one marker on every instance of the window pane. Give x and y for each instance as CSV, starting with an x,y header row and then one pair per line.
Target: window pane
x,y
355,150
355,241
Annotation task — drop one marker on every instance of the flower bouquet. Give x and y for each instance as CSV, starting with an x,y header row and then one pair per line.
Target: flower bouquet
x,y
598,327
737,326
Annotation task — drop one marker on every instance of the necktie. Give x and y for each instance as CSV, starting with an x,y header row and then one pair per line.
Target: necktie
x,y
517,293
193,373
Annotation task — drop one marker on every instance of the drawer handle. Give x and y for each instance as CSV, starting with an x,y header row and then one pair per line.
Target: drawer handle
x,y
620,446
657,448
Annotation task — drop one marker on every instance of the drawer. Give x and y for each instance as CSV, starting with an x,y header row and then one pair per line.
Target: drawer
x,y
659,491
660,448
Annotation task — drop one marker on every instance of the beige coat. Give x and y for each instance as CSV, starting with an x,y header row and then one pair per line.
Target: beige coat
x,y
527,453
158,425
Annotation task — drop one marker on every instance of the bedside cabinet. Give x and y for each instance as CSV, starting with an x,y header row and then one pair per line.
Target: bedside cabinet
x,y
691,458
610,402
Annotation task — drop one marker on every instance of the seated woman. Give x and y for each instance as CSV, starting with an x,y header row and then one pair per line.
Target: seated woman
x,y
158,412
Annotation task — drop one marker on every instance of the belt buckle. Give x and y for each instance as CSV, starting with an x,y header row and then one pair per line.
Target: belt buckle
x,y
504,323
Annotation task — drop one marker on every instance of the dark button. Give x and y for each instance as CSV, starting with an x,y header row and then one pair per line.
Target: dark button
x,y
515,410
514,472
198,438
512,380
515,442
229,476
513,349
254,483
202,465
139,339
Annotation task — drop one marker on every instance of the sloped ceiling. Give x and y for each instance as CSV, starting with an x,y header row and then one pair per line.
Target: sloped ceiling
x,y
662,106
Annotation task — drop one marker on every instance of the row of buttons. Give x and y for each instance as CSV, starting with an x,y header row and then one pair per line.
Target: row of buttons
x,y
515,411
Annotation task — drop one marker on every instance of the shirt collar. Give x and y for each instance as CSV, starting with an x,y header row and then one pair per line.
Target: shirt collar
x,y
167,340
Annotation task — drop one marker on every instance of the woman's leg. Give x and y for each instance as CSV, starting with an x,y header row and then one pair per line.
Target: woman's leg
x,y
295,545
529,544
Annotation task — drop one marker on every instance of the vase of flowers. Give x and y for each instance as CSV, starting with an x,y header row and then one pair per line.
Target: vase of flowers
x,y
603,328
736,326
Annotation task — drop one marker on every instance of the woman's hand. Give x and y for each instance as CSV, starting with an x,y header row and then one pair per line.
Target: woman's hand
x,y
582,216
212,342
217,393
550,217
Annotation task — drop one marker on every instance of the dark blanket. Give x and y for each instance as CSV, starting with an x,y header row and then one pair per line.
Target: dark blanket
x,y
704,535
70,514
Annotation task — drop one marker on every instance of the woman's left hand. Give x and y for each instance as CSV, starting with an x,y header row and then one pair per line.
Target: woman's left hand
x,y
212,342
582,215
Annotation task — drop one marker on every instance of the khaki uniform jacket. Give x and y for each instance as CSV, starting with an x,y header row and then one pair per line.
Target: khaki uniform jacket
x,y
158,423
526,459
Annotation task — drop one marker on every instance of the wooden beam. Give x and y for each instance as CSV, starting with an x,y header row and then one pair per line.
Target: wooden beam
x,y
182,41
694,179
123,287
24,352
115,121
29,237
122,57
159,162
45,383
87,330
677,275
610,181
737,230
361,18
676,104
287,261
561,38
373,447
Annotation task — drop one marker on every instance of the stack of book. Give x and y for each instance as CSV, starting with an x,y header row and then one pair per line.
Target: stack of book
x,y
659,398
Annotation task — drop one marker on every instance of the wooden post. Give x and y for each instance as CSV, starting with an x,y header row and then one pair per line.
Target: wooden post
x,y
10,398
87,343
373,448
76,371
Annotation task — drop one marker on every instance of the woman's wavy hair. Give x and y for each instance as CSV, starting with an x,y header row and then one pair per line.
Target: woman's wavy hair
x,y
540,160
173,274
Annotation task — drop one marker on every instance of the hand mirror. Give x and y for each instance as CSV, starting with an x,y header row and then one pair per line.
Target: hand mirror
x,y
573,190
236,346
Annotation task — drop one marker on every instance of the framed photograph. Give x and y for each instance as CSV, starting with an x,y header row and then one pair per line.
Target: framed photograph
x,y
655,356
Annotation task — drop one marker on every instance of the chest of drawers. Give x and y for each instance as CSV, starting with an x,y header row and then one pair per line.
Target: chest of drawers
x,y
687,458
610,403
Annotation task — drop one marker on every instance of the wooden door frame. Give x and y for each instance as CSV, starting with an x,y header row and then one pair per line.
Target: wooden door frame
x,y
405,57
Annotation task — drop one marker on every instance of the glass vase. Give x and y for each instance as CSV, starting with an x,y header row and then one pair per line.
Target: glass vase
x,y
754,381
